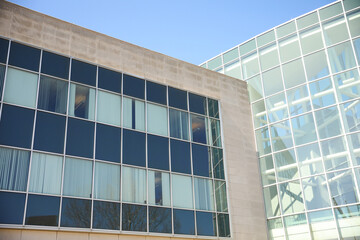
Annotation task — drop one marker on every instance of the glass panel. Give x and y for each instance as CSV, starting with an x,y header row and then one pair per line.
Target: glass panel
x,y
80,135
156,93
220,195
215,133
53,95
354,148
134,114
276,107
133,86
348,221
24,57
272,81
14,167
316,192
160,220
107,181
307,20
180,156
82,102
322,93
214,63
263,141
4,46
275,228
350,4
294,73
231,55
109,80
134,148
341,57
78,177
182,195
45,175
206,224
289,48
310,161
322,225
184,222
250,65
328,122
159,188
311,39
265,38
255,89
12,207
286,29
259,114
109,108
316,66
133,185
177,98
108,142
20,88
335,31
223,225
55,65
213,108
299,100
218,163
197,104
75,213
42,210
158,152
157,119
247,47
271,201
199,129
268,57
281,136
342,187
233,69
335,154
291,197
82,72
2,76
201,160
286,166
330,11
267,170
354,23
303,129
357,48
106,215
347,85
134,218
351,115
296,227
204,194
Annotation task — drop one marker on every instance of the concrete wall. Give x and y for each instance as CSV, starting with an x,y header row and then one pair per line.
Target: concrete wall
x,y
244,186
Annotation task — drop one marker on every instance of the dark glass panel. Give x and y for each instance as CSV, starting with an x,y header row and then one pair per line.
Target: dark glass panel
x,y
158,152
42,210
134,148
223,225
53,94
156,92
49,132
55,65
213,108
201,160
133,218
75,213
108,143
184,222
2,76
80,138
133,86
177,98
12,207
197,103
106,215
4,45
83,72
24,56
160,220
180,156
109,80
218,163
206,223
198,128
16,126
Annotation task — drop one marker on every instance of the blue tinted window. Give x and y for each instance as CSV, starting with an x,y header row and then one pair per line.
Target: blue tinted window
x,y
106,215
108,143
24,56
201,160
184,222
80,138
16,126
134,218
2,76
133,86
49,132
177,98
158,152
53,94
75,213
12,207
55,65
156,92
4,45
223,225
109,80
198,129
197,103
42,210
160,220
180,156
134,148
83,72
206,223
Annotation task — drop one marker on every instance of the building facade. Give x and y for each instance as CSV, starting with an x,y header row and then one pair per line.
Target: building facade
x,y
304,88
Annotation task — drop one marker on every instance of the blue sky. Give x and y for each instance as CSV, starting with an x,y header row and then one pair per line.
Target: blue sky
x,y
193,31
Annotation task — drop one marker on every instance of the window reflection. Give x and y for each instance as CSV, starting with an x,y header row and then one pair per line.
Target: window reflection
x,y
82,102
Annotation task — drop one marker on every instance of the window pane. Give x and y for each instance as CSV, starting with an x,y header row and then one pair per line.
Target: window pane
x,y
289,48
341,57
328,122
215,133
157,119
218,163
281,136
107,181
184,222
134,218
214,63
2,76
82,102
108,143
348,85
255,89
199,129
180,156
109,80
322,225
179,124
201,160
204,194
24,56
310,161
213,106
265,38
75,213
267,170
351,115
291,197
275,228
322,93
303,128
286,29
316,66
106,215
250,65
263,141
299,100
197,104
134,185
330,11
20,87
223,225
14,167
231,55
247,47
134,114
206,223
4,46
259,114
109,108
354,23
55,65
220,195
342,187
160,220
296,227
348,221
45,176
286,166
133,86
354,148
271,201
78,177
159,188
158,152
80,135
233,69
182,195
335,154
134,148
156,92
83,72
276,107
268,57
316,192
294,73
311,39
52,94
12,207
350,4
272,82
335,31
42,210
177,98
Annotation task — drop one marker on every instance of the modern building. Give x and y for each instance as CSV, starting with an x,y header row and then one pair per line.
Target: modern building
x,y
304,89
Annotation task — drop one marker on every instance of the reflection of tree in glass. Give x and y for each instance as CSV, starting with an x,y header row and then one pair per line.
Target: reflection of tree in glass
x,y
160,220
133,218
106,215
76,213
